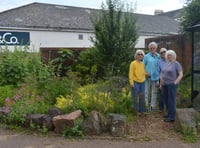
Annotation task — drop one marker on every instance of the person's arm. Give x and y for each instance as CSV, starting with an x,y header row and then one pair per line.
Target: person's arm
x,y
131,69
178,79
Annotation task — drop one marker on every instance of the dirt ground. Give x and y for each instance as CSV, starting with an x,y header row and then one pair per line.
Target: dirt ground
x,y
144,132
152,127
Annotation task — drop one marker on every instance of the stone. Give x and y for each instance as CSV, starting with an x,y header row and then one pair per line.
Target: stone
x,y
62,122
47,122
91,126
186,118
117,124
55,112
36,119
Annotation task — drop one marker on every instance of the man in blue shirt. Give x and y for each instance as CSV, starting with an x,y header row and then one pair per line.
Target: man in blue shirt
x,y
151,66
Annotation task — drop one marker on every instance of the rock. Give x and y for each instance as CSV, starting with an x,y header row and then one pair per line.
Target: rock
x,y
47,122
117,124
36,119
91,126
187,118
55,112
62,122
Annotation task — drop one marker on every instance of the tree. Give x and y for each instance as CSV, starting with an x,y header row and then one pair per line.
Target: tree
x,y
191,14
115,37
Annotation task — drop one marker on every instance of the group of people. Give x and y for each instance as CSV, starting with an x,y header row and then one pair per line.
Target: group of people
x,y
152,73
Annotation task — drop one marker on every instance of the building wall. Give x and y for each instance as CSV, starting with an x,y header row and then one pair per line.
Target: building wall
x,y
50,39
53,39
141,41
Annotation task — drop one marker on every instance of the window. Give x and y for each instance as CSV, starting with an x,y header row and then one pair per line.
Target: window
x,y
80,37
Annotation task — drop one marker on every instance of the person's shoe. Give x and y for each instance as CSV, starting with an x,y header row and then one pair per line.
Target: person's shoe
x,y
169,120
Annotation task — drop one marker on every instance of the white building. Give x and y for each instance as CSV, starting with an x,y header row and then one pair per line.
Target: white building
x,y
40,25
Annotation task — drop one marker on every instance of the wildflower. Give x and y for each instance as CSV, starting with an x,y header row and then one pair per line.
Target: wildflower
x,y
7,109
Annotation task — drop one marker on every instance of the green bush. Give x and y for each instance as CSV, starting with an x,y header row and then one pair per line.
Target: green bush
x,y
12,67
87,67
6,91
184,92
105,97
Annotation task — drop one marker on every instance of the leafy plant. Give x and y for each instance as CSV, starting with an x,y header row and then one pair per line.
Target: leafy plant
x,y
190,15
184,92
87,67
115,36
13,67
60,62
74,131
6,91
189,134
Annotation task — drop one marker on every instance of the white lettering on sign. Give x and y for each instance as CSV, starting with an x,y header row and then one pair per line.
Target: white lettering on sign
x,y
7,38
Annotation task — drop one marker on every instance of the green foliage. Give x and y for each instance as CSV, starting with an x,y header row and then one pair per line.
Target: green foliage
x,y
43,129
88,67
191,14
12,67
19,109
74,131
38,69
57,86
60,64
105,97
120,90
17,65
184,92
115,37
6,91
189,134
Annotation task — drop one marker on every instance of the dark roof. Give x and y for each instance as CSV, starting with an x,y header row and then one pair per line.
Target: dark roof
x,y
59,17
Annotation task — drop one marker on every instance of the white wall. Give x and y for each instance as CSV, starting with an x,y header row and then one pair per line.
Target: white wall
x,y
52,39
45,39
141,41
59,39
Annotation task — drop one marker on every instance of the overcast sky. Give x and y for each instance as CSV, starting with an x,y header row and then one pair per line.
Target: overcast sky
x,y
142,6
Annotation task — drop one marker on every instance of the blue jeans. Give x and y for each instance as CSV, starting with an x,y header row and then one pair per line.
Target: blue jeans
x,y
138,96
161,103
169,96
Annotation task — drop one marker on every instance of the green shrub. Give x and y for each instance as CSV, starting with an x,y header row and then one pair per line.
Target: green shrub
x,y
189,135
6,91
104,97
87,66
74,131
12,67
184,92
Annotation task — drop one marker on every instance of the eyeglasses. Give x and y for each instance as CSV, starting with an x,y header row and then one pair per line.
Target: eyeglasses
x,y
162,52
139,54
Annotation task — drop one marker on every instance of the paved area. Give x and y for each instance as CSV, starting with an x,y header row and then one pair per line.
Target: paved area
x,y
11,139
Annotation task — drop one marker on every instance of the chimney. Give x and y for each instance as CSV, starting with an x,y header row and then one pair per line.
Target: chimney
x,y
158,11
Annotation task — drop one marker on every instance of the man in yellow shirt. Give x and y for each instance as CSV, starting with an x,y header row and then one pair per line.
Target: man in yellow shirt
x,y
137,76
